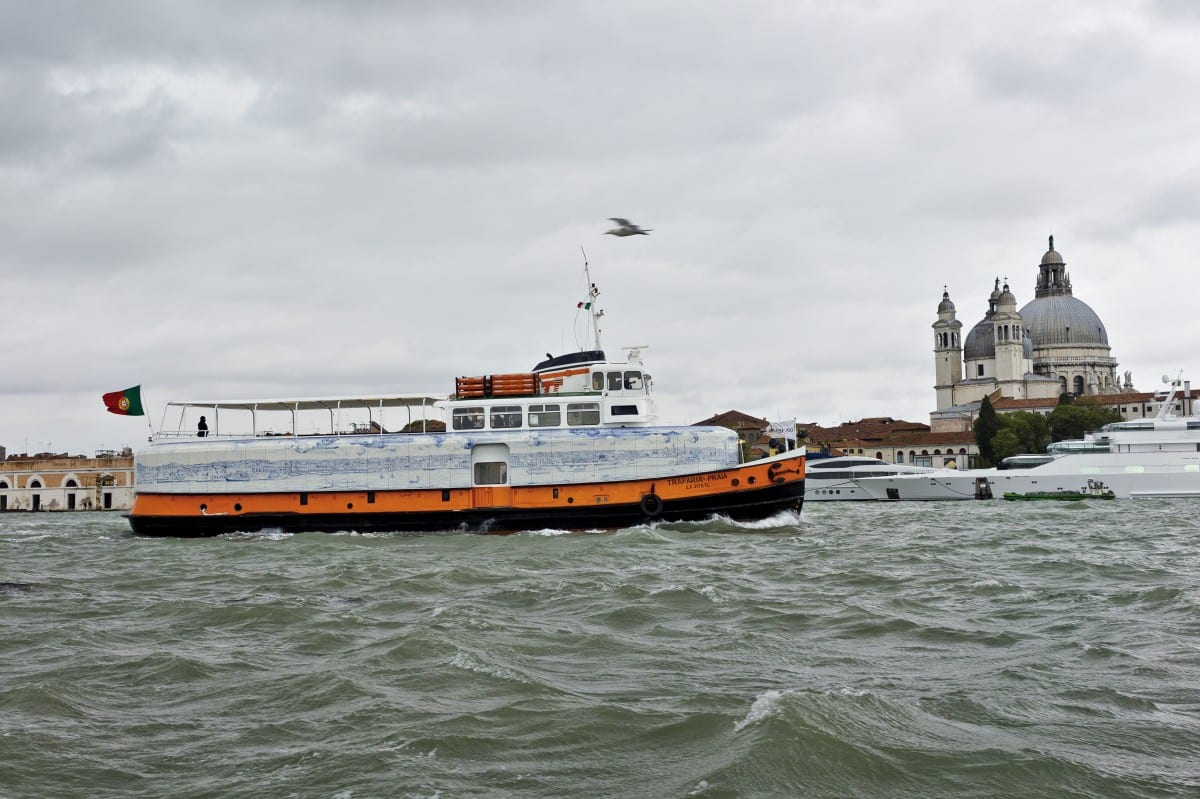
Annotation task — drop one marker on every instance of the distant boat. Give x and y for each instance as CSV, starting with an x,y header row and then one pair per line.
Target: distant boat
x,y
1136,458
833,479
1094,489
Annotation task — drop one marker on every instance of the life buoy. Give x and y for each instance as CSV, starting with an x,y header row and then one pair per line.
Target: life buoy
x,y
652,505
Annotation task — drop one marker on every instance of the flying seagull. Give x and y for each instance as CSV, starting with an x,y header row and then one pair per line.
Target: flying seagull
x,y
626,228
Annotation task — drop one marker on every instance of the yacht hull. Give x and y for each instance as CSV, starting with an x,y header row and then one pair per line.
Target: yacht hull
x,y
1127,474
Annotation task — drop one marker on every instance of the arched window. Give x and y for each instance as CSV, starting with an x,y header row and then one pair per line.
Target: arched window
x,y
1078,384
924,452
962,450
35,483
899,456
937,452
879,456
3,484
1062,384
70,484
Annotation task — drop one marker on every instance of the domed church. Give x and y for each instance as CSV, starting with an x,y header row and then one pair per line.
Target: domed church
x,y
1054,344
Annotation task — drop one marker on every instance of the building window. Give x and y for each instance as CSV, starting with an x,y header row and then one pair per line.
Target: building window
x,y
1078,384
583,413
899,457
467,419
505,416
980,370
545,415
923,460
492,473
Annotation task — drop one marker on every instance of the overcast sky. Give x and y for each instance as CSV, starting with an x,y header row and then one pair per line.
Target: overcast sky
x,y
269,199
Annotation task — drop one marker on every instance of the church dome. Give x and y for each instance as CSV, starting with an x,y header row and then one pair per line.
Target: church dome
x,y
945,306
1055,316
1059,319
981,341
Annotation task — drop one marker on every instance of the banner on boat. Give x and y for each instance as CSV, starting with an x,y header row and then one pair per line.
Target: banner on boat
x,y
783,429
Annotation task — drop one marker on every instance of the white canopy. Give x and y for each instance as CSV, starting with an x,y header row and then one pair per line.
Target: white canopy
x,y
315,404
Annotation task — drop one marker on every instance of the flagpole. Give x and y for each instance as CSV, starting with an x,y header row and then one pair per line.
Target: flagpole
x,y
146,413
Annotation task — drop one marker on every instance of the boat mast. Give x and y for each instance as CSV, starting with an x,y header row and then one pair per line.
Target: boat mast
x,y
1164,410
590,305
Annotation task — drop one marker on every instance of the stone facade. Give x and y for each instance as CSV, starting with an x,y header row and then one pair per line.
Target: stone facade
x,y
64,482
1054,344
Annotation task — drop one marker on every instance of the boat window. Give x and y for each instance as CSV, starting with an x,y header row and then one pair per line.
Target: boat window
x,y
468,419
504,416
491,473
615,383
583,413
624,410
545,415
597,381
633,381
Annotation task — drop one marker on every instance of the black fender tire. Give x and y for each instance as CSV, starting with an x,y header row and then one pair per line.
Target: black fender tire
x,y
652,505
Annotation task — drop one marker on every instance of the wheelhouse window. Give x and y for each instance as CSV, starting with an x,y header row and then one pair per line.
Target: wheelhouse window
x,y
467,419
491,473
597,381
505,416
615,382
633,381
583,413
545,415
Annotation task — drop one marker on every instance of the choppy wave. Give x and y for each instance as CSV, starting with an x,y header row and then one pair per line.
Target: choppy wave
x,y
941,650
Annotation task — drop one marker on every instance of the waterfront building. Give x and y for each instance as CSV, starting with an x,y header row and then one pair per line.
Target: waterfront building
x,y
62,482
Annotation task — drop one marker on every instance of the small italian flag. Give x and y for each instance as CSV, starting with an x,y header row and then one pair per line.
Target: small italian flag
x,y
125,403
583,305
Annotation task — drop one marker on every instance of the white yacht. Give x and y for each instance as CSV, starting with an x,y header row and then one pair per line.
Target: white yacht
x,y
1139,458
833,479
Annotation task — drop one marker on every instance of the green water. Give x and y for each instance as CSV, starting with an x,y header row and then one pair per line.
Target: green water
x,y
863,650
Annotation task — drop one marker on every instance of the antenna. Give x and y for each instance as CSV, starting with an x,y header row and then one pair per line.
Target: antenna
x,y
592,294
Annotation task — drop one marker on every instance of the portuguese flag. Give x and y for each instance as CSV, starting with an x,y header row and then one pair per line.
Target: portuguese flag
x,y
125,403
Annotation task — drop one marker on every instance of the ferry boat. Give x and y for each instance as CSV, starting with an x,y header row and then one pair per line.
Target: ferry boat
x,y
1137,458
572,444
833,479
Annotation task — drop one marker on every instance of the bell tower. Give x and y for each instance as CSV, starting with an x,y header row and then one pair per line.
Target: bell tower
x,y
1009,338
947,351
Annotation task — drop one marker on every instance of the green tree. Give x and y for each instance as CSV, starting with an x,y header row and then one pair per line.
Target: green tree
x,y
986,426
1005,443
1032,430
1072,421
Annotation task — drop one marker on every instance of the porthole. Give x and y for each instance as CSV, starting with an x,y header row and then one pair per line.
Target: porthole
x,y
203,507
349,506
237,506
751,479
735,482
570,500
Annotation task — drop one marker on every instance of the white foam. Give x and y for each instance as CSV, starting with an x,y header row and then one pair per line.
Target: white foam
x,y
785,518
767,704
